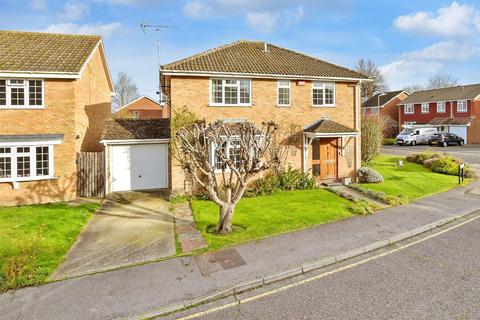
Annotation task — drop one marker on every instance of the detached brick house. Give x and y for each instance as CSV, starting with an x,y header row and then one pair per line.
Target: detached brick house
x,y
142,108
55,94
454,110
258,81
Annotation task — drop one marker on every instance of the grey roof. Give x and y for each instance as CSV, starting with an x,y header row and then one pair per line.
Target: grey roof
x,y
29,137
446,94
384,98
131,129
250,57
451,121
44,52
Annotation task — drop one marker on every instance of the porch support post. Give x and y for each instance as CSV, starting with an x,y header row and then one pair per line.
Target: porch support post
x,y
307,141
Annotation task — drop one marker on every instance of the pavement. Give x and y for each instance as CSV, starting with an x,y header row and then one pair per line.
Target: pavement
x,y
152,289
432,276
129,228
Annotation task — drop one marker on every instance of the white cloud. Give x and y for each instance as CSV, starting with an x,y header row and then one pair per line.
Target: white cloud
x,y
73,11
95,28
263,22
38,5
401,73
196,9
294,16
451,21
445,51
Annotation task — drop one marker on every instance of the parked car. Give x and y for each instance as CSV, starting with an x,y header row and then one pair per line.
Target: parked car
x,y
446,139
414,136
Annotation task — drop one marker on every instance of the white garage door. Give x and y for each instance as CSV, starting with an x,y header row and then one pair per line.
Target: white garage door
x,y
139,167
460,131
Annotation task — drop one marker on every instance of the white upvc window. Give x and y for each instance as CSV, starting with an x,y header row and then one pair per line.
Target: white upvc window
x,y
408,108
441,107
230,92
425,107
409,123
21,94
462,106
283,93
25,163
136,115
231,150
323,94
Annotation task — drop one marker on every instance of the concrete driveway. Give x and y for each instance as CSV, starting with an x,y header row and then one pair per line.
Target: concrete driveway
x,y
129,228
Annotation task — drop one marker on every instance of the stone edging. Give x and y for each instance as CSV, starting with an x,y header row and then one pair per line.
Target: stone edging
x,y
302,269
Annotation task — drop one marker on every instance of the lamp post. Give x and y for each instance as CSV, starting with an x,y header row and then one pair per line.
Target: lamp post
x,y
378,102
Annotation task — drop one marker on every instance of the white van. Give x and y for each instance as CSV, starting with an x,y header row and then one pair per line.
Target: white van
x,y
414,136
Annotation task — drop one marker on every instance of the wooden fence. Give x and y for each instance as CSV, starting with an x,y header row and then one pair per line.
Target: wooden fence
x,y
91,174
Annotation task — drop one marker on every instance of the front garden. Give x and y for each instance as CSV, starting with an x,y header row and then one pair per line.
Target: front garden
x,y
34,239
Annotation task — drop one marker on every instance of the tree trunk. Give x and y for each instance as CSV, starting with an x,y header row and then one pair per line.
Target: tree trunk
x,y
225,221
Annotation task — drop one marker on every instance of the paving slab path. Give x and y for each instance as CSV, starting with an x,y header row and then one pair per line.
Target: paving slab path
x,y
129,228
144,290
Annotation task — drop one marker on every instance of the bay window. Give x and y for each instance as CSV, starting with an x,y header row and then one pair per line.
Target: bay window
x,y
283,93
323,94
234,92
20,93
23,163
232,151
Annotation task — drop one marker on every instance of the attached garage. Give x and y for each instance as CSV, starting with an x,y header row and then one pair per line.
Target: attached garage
x,y
137,155
460,131
458,125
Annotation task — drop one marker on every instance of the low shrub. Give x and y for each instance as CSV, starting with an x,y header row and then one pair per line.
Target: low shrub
x,y
368,175
389,141
361,207
286,180
440,163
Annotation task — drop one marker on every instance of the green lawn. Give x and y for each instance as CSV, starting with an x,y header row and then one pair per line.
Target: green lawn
x,y
412,180
269,215
34,239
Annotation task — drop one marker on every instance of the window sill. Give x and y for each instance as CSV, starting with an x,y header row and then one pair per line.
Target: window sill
x,y
23,108
230,105
9,180
466,111
324,106
284,105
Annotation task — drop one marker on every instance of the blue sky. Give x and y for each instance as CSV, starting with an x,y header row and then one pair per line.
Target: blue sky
x,y
409,40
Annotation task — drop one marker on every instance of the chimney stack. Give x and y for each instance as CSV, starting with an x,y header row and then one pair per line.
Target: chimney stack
x,y
265,49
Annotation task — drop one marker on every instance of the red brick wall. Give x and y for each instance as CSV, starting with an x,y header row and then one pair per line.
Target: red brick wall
x,y
422,118
474,129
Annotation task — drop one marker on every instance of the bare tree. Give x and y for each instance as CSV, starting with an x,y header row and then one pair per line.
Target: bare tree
x,y
369,69
125,90
241,150
442,81
437,81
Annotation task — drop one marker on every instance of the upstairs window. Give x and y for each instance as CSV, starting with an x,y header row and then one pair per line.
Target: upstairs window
x,y
441,107
462,106
408,108
283,94
323,94
425,107
20,93
230,92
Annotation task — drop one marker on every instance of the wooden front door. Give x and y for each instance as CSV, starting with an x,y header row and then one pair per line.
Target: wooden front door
x,y
324,158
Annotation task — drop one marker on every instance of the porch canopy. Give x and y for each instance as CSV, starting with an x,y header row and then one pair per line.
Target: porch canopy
x,y
328,128
460,121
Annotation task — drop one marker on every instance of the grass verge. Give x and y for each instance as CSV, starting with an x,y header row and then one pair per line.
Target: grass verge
x,y
34,240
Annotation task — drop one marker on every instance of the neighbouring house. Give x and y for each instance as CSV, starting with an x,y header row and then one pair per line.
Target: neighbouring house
x,y
385,105
55,94
142,108
260,82
454,110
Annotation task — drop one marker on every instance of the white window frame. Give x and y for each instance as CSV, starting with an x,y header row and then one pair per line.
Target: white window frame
x,y
136,115
409,108
284,84
316,85
441,107
409,123
33,162
223,104
425,107
213,156
464,104
26,88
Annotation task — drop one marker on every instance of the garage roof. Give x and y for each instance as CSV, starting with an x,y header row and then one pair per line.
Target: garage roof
x,y
133,129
